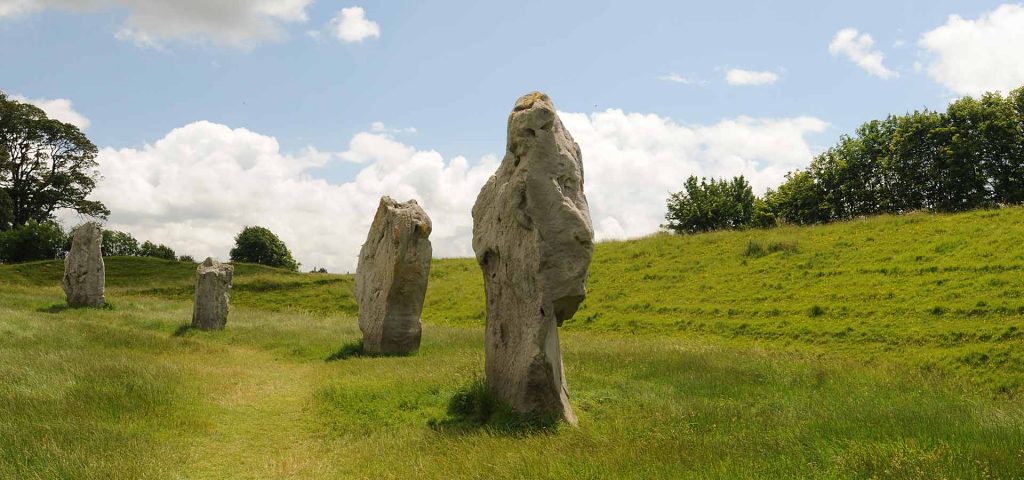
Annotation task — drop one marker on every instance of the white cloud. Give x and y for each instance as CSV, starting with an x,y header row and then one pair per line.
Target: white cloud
x,y
151,23
59,109
677,78
741,77
14,8
352,26
198,186
632,161
858,47
379,127
970,57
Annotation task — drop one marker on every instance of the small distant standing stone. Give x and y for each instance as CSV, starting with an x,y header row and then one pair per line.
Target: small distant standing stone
x,y
84,273
213,291
391,278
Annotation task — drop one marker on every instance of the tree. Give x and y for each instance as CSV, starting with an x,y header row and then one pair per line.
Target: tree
x,y
120,244
45,165
798,200
260,245
150,249
711,205
32,241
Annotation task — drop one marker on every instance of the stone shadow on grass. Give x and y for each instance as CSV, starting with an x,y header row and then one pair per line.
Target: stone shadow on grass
x,y
354,349
474,408
63,307
55,308
183,330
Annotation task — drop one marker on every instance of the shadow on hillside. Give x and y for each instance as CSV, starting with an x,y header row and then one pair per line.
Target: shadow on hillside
x,y
473,408
354,349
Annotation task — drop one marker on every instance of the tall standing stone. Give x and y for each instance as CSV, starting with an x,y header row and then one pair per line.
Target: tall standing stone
x,y
84,273
391,278
533,239
213,293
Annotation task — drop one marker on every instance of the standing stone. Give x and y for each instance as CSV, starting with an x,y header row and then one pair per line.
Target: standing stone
x,y
533,239
391,278
213,292
84,273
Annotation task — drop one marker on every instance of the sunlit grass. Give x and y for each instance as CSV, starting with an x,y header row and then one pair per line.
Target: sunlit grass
x,y
879,348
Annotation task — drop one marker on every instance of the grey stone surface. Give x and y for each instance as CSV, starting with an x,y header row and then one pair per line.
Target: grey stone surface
x,y
533,239
391,278
84,273
213,293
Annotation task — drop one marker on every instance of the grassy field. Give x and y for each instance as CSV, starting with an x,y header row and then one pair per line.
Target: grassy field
x,y
888,347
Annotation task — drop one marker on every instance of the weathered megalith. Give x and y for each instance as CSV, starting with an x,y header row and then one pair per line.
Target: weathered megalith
x,y
84,273
533,239
213,292
391,278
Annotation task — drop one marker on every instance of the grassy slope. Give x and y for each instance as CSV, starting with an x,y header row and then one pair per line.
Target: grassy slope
x,y
689,359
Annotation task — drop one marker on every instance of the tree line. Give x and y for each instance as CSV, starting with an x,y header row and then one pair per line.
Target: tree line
x,y
968,157
48,240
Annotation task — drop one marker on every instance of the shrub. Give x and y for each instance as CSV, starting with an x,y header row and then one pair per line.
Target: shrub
x,y
186,258
33,241
260,245
706,205
119,244
150,249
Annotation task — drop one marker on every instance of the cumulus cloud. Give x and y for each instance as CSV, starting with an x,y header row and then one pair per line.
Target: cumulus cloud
x,y
151,23
198,186
632,161
58,108
352,26
859,48
970,57
740,77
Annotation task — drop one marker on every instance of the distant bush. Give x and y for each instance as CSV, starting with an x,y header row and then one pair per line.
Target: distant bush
x,y
706,205
119,244
186,258
150,249
32,241
260,245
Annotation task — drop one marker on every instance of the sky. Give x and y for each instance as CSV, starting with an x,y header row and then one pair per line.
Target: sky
x,y
298,115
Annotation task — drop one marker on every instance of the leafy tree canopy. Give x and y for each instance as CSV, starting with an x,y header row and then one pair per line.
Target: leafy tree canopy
x,y
707,205
260,245
45,165
32,241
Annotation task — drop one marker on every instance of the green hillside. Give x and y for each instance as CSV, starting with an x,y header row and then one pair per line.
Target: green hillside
x,y
884,347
